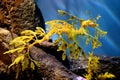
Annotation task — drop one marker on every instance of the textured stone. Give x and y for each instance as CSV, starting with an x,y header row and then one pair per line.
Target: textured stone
x,y
19,15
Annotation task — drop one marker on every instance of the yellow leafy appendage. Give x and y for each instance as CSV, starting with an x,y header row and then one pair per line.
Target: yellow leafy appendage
x,y
105,75
21,47
92,70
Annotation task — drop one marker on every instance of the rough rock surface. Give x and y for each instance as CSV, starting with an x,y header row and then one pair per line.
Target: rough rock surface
x,y
19,15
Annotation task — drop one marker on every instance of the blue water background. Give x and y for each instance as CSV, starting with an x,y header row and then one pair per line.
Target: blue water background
x,y
109,21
